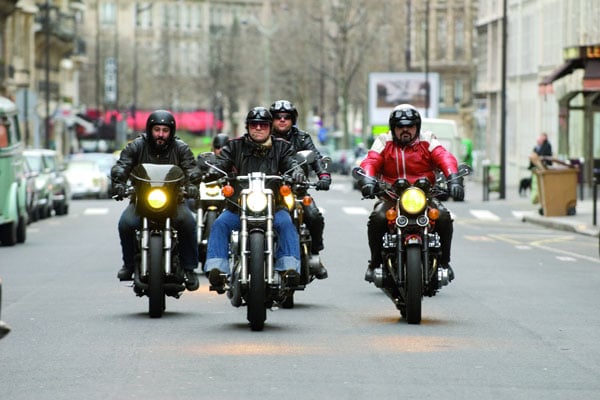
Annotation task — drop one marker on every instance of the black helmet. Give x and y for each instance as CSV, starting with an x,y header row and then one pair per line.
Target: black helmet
x,y
259,114
160,117
405,115
284,106
220,140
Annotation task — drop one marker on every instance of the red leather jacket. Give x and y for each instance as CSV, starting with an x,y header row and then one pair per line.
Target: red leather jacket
x,y
420,158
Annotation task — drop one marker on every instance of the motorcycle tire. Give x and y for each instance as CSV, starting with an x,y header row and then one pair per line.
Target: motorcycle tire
x,y
414,284
156,291
257,312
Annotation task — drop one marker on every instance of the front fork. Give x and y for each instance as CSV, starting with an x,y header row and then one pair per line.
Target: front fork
x,y
167,246
244,242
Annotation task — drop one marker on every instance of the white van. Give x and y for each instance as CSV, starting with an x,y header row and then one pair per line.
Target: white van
x,y
446,132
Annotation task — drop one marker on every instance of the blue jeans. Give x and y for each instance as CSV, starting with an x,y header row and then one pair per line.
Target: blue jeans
x,y
187,233
287,254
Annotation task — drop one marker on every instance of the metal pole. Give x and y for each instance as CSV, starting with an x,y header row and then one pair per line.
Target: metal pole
x,y
47,72
503,106
427,59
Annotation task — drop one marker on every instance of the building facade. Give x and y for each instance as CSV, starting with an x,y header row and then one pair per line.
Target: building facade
x,y
551,70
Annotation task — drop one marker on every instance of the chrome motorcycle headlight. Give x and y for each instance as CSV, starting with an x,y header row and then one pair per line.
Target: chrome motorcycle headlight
x,y
413,200
257,201
157,198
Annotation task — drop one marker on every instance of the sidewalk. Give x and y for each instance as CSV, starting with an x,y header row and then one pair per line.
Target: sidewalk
x,y
581,222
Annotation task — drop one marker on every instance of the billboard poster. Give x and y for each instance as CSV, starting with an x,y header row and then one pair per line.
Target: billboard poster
x,y
389,89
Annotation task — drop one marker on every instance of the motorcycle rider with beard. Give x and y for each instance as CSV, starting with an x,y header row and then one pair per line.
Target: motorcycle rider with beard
x,y
256,151
158,145
285,117
406,152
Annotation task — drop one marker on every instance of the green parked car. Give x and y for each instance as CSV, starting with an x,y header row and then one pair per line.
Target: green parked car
x,y
13,183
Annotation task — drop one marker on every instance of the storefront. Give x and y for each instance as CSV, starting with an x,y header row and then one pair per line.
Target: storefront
x,y
576,86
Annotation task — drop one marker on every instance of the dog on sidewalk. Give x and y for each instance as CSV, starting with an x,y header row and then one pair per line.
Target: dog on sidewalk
x,y
524,186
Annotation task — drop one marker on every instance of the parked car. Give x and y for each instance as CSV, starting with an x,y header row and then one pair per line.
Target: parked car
x,y
33,193
13,186
86,179
105,162
342,161
51,182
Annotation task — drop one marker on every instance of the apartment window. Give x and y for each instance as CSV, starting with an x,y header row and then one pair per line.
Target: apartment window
x,y
442,37
459,36
108,14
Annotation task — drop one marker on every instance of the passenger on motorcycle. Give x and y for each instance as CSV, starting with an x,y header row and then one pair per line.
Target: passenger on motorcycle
x,y
406,152
158,145
285,117
256,151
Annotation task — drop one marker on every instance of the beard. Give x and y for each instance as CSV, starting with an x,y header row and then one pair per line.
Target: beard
x,y
405,138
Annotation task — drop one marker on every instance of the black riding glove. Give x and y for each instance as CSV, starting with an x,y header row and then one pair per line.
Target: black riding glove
x,y
368,190
119,191
192,191
298,176
455,185
324,182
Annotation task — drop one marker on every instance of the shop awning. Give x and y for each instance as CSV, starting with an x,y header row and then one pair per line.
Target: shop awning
x,y
194,121
545,86
561,71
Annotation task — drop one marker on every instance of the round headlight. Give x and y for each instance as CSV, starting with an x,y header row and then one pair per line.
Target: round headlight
x,y
157,198
413,200
257,201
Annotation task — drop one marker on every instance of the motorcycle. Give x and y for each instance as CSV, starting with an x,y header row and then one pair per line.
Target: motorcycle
x,y
411,247
208,207
295,200
254,280
156,191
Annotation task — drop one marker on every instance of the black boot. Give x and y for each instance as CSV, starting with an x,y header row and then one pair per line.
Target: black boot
x,y
125,273
370,273
191,280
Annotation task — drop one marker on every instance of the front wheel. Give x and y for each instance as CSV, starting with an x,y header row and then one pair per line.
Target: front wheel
x,y
414,284
257,312
156,291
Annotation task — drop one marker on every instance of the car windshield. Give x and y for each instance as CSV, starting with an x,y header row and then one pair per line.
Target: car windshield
x,y
35,162
81,166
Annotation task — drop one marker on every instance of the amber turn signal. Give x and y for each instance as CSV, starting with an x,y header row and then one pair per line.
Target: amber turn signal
x,y
285,190
391,214
227,190
433,214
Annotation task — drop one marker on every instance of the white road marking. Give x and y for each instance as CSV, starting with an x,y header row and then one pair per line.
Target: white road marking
x,y
95,211
355,210
485,215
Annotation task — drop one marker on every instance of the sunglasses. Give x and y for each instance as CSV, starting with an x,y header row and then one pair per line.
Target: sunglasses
x,y
257,125
279,104
287,117
406,113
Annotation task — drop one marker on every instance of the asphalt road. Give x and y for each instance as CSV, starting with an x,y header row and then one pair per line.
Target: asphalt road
x,y
519,322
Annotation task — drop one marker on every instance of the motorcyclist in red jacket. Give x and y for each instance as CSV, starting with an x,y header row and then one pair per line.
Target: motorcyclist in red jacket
x,y
406,152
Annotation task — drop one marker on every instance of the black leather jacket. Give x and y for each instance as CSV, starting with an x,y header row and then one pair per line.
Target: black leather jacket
x,y
301,140
241,156
139,151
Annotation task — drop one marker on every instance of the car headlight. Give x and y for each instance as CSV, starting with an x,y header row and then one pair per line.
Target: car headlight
x,y
157,198
257,201
413,200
